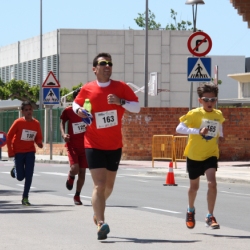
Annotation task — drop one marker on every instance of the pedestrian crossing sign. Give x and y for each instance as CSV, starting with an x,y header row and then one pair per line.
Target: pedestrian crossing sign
x,y
51,96
199,69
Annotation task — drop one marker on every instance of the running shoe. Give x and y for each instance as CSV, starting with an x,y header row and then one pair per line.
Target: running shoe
x,y
103,230
13,172
212,223
190,220
70,182
95,219
25,202
77,200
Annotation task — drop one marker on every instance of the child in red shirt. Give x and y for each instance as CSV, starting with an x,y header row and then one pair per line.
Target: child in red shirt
x,y
22,136
75,147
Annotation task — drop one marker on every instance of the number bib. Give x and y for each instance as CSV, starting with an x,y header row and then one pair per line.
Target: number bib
x,y
78,127
28,135
106,119
213,127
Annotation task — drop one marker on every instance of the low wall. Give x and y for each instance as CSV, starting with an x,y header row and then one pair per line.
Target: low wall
x,y
138,130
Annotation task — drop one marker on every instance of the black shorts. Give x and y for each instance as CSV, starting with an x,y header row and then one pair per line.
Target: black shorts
x,y
108,159
198,168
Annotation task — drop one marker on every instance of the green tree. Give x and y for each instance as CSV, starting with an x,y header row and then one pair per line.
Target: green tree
x,y
153,25
182,25
1,83
18,89
141,21
21,90
65,91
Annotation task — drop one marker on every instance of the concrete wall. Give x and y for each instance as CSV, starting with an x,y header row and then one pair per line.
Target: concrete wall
x,y
9,54
228,65
167,55
29,49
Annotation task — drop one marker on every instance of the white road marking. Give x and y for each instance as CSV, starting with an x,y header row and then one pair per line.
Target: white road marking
x,y
234,193
22,185
87,197
144,176
162,210
9,173
5,172
54,173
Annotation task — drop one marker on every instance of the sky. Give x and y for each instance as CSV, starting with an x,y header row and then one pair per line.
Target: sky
x,y
20,20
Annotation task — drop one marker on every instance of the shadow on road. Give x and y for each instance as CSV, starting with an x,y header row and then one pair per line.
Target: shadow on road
x,y
147,241
227,236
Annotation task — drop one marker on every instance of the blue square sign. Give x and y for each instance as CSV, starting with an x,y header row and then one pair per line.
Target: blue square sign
x,y
199,69
51,96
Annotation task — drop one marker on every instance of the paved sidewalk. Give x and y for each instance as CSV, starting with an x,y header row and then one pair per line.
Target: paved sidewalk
x,y
235,171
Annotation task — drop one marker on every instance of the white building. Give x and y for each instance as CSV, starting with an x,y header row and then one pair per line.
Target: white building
x,y
69,54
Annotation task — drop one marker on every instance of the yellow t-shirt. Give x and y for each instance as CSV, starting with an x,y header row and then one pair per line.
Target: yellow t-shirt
x,y
199,147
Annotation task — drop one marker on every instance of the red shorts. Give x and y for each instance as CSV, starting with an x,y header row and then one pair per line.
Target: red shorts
x,y
77,156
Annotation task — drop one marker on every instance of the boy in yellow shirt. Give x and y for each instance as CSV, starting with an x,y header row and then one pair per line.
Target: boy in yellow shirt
x,y
204,127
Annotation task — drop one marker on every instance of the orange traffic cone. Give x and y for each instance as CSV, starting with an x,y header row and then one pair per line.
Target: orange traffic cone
x,y
170,176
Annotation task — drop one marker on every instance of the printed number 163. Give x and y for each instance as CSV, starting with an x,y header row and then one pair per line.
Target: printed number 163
x,y
108,119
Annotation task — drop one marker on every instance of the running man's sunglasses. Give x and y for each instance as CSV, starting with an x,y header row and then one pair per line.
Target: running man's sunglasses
x,y
206,99
105,63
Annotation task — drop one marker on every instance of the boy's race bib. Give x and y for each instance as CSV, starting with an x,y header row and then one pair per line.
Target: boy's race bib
x,y
78,127
213,127
28,135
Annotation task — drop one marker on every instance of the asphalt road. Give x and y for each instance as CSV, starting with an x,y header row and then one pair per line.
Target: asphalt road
x,y
152,213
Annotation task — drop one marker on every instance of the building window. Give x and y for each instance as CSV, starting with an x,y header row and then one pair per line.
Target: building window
x,y
246,90
30,71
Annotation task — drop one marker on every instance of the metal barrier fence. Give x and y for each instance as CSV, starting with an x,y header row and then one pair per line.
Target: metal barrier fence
x,y
180,143
8,117
168,147
162,148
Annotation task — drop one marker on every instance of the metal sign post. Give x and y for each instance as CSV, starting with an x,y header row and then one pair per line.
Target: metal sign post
x,y
216,80
51,96
51,131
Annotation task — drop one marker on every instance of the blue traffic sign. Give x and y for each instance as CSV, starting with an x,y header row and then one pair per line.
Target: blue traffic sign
x,y
3,139
199,69
51,96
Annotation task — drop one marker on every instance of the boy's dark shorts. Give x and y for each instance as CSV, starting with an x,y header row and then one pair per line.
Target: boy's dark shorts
x,y
198,168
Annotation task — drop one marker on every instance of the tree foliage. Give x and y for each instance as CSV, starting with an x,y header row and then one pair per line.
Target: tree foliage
x,y
182,25
21,90
141,21
18,89
65,91
153,25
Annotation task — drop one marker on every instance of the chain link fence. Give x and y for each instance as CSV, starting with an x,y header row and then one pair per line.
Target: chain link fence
x,y
43,116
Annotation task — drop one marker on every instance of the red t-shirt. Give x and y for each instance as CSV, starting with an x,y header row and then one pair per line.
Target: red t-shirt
x,y
76,128
105,131
22,135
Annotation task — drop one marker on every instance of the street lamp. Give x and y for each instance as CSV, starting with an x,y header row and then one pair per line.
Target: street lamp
x,y
41,57
146,58
194,4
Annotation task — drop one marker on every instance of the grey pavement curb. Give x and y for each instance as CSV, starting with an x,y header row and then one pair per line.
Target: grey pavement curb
x,y
218,178
4,158
233,174
52,161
